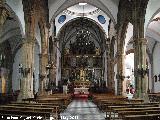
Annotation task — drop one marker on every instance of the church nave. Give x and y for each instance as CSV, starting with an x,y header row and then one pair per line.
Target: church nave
x,y
83,109
77,58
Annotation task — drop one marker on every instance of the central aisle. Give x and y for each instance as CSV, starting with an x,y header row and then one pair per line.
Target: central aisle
x,y
82,110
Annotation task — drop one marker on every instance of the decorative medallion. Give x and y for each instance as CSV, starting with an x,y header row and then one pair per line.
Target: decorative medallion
x,y
101,19
61,19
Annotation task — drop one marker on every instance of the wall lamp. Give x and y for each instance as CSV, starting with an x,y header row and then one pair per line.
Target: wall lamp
x,y
50,65
142,71
24,71
121,77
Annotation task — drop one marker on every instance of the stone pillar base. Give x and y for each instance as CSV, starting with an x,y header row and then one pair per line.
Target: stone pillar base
x,y
143,96
25,91
24,96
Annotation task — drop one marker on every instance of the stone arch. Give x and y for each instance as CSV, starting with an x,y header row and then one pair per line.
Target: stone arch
x,y
151,10
102,33
15,10
18,29
41,25
122,33
78,18
97,4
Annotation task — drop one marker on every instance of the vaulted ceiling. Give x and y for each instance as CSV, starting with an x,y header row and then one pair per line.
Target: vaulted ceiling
x,y
110,7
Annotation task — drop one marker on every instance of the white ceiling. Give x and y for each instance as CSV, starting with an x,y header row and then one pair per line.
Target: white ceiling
x,y
82,8
79,9
110,7
153,29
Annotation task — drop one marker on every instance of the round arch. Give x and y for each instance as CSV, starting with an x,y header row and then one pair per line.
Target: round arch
x,y
96,3
74,19
99,29
151,11
16,17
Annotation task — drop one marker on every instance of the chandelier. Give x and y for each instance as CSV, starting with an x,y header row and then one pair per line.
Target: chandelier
x,y
83,32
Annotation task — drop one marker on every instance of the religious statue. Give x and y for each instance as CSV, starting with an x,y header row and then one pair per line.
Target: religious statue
x,y
97,51
66,51
82,74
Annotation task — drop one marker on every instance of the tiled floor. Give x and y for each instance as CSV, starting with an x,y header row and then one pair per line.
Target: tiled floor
x,y
82,110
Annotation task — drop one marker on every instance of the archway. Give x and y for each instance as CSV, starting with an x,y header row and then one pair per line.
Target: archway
x,y
81,48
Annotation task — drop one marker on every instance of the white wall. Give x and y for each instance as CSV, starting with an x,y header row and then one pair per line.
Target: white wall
x,y
115,79
152,8
156,64
129,35
36,67
58,66
38,35
149,79
16,76
105,68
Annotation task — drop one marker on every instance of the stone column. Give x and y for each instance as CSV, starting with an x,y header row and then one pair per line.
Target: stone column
x,y
52,60
120,72
4,13
27,70
140,69
44,59
139,50
110,77
27,59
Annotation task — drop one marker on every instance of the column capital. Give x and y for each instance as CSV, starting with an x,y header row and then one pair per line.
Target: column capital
x,y
4,13
140,41
143,41
29,41
119,54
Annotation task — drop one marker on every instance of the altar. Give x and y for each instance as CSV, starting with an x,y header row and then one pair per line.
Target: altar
x,y
81,89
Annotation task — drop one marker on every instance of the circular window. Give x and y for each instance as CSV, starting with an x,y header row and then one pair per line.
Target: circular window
x,y
101,19
61,19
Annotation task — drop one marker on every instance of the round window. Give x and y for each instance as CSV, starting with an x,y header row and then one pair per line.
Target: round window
x,y
61,19
101,19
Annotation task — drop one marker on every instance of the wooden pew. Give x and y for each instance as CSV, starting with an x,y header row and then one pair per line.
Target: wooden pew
x,y
143,117
154,97
121,106
44,105
125,108
29,100
123,114
116,110
24,114
66,99
30,110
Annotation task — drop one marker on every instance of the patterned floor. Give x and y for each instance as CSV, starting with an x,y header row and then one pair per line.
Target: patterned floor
x,y
82,110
